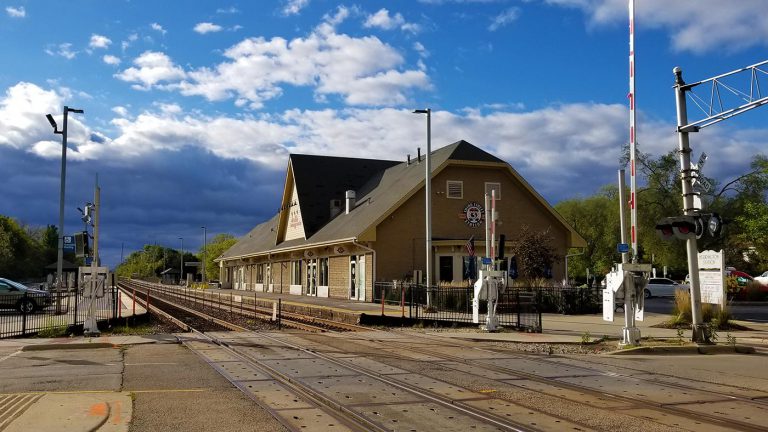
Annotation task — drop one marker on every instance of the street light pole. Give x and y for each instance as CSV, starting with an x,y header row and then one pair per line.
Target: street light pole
x,y
205,246
63,133
181,259
427,192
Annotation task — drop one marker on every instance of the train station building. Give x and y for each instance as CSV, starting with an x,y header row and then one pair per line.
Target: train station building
x,y
345,223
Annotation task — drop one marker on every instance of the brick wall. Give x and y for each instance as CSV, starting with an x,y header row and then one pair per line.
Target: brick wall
x,y
338,277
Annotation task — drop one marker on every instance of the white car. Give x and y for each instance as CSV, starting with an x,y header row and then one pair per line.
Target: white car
x,y
763,278
662,287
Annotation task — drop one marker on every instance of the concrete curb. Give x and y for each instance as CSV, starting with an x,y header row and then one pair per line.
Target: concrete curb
x,y
67,346
685,350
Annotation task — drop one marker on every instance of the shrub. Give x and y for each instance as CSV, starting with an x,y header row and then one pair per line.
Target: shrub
x,y
681,309
53,330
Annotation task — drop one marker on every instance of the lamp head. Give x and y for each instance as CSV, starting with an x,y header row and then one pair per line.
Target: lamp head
x,y
74,110
53,123
421,111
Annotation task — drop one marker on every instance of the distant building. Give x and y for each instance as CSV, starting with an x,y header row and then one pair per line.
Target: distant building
x,y
344,223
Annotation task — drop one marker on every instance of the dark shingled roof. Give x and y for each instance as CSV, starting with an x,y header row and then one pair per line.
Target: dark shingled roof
x,y
379,186
320,179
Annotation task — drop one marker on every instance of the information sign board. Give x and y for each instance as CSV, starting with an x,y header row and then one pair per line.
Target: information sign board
x,y
712,277
69,243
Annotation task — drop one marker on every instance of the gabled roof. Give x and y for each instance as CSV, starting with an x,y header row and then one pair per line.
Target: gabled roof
x,y
320,179
380,189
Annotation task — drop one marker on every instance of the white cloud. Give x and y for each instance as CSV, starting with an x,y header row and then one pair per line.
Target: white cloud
x,y
206,27
695,26
562,150
157,27
63,50
362,70
505,18
293,7
383,20
229,10
16,12
99,41
421,49
152,69
111,60
120,110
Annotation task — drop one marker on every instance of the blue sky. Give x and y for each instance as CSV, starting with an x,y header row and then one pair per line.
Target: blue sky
x,y
191,108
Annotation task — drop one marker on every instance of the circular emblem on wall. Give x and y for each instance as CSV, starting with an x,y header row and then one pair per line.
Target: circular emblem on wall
x,y
473,214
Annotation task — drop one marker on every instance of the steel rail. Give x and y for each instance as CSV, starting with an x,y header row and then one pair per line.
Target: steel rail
x,y
669,408
289,319
489,418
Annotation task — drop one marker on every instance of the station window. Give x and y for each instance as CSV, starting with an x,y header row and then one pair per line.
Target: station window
x,y
323,272
296,272
454,189
259,273
493,187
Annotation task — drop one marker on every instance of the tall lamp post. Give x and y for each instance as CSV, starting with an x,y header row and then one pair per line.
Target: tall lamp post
x,y
427,191
63,133
181,259
205,246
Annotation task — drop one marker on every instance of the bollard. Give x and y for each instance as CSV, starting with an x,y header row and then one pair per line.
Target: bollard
x,y
148,290
134,301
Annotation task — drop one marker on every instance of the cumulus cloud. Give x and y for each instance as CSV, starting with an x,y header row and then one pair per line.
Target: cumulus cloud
x,y
383,20
206,27
361,70
505,18
111,60
152,69
293,7
99,41
62,50
698,26
16,12
157,27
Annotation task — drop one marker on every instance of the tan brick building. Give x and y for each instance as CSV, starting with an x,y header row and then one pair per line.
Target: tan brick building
x,y
345,223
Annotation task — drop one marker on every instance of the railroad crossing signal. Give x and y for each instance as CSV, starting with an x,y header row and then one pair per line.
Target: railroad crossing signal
x,y
686,227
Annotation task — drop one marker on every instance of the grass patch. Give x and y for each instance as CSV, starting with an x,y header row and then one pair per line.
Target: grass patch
x,y
141,329
53,330
716,317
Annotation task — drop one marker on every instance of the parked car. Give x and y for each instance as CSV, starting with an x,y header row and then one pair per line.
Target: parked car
x,y
662,287
762,279
742,279
14,295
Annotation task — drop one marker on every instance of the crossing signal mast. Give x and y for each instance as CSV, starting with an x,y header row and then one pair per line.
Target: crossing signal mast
x,y
725,100
626,283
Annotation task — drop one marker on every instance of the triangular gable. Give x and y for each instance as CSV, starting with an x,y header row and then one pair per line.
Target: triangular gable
x,y
290,225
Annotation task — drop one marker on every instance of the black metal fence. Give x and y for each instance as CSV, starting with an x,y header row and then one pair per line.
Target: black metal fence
x,y
518,307
53,313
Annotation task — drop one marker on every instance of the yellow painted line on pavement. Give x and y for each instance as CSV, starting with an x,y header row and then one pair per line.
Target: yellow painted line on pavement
x,y
106,391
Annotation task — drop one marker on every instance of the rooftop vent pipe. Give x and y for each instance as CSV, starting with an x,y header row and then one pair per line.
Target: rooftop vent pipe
x,y
418,150
350,196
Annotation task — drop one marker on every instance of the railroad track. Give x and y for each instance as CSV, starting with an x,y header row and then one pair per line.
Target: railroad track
x,y
193,300
591,395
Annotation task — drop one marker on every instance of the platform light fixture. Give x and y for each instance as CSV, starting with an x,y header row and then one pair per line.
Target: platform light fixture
x,y
427,192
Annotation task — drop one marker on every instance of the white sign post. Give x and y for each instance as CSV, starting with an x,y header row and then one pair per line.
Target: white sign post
x,y
712,277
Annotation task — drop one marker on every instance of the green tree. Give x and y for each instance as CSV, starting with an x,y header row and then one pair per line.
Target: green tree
x,y
596,218
217,246
21,255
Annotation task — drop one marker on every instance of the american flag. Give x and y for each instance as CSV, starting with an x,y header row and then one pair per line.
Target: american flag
x,y
471,246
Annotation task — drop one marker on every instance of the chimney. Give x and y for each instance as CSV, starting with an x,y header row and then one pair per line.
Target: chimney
x,y
335,207
409,160
418,150
350,196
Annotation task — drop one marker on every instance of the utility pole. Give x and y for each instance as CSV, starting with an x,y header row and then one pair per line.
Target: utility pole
x,y
90,326
717,111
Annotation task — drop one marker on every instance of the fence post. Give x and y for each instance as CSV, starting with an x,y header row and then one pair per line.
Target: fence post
x,y
517,302
382,300
148,290
24,314
402,299
77,293
279,313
